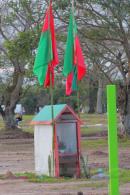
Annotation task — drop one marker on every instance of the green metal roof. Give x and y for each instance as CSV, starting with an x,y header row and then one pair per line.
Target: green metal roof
x,y
45,114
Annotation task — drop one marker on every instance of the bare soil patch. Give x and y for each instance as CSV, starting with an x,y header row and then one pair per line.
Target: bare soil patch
x,y
22,187
14,134
17,155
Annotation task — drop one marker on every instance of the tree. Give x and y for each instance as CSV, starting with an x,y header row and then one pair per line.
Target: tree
x,y
104,27
109,27
104,30
18,42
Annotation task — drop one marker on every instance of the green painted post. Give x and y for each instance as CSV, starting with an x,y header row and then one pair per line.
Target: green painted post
x,y
112,141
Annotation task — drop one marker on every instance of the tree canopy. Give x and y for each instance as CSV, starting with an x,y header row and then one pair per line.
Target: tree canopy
x,y
104,30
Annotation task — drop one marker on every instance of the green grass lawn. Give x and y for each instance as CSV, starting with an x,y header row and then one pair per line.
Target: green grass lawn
x,y
96,143
92,119
88,127
89,122
1,123
101,143
88,119
86,131
25,124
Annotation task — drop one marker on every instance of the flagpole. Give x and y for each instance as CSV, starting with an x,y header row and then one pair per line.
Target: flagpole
x,y
52,113
51,81
52,101
78,102
78,96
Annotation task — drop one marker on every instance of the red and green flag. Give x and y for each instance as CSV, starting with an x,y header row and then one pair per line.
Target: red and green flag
x,y
47,56
74,66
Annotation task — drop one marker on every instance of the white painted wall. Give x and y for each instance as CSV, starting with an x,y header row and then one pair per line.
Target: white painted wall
x,y
42,148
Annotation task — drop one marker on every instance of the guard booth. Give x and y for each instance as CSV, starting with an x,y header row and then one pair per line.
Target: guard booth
x,y
57,143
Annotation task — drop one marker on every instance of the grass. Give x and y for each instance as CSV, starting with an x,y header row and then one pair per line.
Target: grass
x,y
25,124
124,177
91,130
89,119
32,177
97,143
1,123
124,143
101,143
92,119
89,122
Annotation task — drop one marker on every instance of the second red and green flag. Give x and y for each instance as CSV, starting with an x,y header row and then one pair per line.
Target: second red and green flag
x,y
74,66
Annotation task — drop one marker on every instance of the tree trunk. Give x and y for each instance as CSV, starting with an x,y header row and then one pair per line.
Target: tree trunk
x,y
124,109
127,116
91,107
99,108
127,105
9,120
10,100
91,98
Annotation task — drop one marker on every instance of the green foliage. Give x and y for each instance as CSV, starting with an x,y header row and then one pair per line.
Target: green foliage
x,y
84,164
60,96
20,47
29,103
34,98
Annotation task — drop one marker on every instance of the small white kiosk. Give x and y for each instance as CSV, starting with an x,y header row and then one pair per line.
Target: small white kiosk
x,y
57,143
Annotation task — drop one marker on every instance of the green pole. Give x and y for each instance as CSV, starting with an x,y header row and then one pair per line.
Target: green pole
x,y
112,141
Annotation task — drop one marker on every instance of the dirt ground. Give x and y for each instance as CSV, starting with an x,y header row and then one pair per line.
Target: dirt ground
x,y
21,187
16,155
